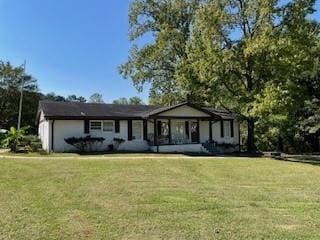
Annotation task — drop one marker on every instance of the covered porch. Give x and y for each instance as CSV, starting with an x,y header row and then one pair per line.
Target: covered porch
x,y
181,131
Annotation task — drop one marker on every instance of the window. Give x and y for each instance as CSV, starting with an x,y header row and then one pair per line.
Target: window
x,y
95,125
108,126
164,129
227,128
136,130
180,128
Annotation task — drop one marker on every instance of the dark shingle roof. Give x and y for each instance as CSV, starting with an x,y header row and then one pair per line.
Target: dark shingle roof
x,y
76,110
221,113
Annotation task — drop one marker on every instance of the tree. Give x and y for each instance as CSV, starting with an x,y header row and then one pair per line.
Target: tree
x,y
74,98
122,100
53,97
96,98
11,79
169,24
239,47
133,101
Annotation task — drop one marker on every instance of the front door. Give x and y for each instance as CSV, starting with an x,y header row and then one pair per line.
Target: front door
x,y
194,132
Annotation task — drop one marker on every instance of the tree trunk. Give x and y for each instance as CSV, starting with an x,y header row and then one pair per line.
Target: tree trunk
x,y
251,142
280,144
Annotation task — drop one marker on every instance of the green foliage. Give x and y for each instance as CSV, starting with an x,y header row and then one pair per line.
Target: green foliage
x,y
14,138
169,24
132,101
85,144
311,121
121,100
11,80
32,143
257,58
74,98
2,137
96,98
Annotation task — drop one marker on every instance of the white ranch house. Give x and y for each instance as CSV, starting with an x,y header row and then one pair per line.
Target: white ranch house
x,y
181,128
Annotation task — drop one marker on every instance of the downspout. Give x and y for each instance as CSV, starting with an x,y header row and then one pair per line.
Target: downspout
x,y
52,136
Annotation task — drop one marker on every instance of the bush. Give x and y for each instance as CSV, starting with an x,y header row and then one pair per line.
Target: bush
x,y
2,137
116,143
14,138
18,141
32,143
85,144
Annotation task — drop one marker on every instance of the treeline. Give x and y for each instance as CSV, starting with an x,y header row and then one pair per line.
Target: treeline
x,y
259,59
12,79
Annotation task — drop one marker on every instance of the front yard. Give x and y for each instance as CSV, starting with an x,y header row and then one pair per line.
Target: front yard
x,y
141,197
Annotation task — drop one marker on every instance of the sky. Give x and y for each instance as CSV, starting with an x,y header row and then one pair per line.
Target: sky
x,y
71,46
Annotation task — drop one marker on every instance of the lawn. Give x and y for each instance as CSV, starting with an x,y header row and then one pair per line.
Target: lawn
x,y
126,197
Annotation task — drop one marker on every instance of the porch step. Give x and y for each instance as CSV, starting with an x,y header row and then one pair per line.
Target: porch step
x,y
210,147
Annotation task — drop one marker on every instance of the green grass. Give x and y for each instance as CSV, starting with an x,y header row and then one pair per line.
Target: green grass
x,y
158,198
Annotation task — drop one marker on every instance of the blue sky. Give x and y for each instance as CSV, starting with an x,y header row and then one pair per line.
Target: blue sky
x,y
71,46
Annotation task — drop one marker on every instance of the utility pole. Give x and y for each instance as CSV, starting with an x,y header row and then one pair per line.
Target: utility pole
x,y
21,94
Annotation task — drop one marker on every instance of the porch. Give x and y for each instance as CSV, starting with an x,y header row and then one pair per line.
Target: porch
x,y
181,131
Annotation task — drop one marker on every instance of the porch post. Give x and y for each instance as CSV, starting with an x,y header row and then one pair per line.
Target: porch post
x,y
210,131
169,125
198,130
155,134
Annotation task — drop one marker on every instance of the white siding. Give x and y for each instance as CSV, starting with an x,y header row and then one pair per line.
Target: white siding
x,y
184,111
75,128
43,132
204,131
66,129
216,133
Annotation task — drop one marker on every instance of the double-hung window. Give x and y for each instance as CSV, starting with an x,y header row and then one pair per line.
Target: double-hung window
x,y
95,125
137,130
227,128
108,126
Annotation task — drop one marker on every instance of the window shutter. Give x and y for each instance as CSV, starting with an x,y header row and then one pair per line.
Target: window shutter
x,y
231,128
86,126
187,128
159,128
145,130
129,130
221,128
117,126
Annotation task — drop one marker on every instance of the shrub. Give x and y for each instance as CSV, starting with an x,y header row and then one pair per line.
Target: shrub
x,y
119,140
18,141
14,138
116,143
85,144
32,143
2,137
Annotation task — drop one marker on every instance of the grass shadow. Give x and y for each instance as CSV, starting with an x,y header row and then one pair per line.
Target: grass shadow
x,y
307,159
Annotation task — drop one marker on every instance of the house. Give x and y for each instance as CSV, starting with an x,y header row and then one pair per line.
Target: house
x,y
183,127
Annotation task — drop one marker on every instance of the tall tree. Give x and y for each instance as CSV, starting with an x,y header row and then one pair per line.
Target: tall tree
x,y
136,101
167,24
133,101
121,100
52,97
74,98
96,98
12,79
238,47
